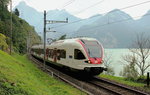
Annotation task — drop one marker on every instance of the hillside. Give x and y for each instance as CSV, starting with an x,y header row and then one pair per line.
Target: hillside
x,y
20,30
20,77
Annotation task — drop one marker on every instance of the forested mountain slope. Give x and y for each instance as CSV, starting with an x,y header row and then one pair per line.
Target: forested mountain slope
x,y
20,29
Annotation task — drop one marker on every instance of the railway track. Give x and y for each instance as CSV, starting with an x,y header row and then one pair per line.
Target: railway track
x,y
115,88
59,75
92,86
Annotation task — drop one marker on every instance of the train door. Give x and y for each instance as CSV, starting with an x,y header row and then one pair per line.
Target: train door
x,y
69,56
79,58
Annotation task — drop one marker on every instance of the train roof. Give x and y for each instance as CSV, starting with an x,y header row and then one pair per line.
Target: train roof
x,y
65,41
73,40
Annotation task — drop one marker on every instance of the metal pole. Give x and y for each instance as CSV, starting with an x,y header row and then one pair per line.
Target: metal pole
x,y
44,37
147,79
29,42
11,27
49,22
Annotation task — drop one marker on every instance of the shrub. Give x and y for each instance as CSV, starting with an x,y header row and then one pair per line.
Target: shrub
x,y
129,72
3,44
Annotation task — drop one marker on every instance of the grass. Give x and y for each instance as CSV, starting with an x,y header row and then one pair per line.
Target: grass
x,y
18,76
122,80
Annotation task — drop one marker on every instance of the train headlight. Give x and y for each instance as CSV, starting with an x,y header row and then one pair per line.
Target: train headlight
x,y
88,61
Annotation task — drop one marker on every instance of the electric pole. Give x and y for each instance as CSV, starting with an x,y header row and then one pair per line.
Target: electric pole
x,y
49,22
44,37
11,44
28,42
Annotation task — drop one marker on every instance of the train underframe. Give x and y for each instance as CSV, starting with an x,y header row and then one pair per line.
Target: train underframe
x,y
94,70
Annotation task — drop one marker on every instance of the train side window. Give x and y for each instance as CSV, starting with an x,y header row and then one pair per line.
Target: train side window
x,y
50,53
58,54
70,56
41,51
62,54
36,50
78,54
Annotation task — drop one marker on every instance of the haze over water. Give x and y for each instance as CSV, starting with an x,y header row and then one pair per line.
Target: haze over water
x,y
117,61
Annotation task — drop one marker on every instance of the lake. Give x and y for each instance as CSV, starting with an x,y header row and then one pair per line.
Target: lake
x,y
116,59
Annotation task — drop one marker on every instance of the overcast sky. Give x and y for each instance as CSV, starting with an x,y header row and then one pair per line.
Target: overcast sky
x,y
87,8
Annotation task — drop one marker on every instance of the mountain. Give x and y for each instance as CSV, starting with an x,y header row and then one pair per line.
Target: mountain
x,y
28,13
35,19
32,16
144,22
115,29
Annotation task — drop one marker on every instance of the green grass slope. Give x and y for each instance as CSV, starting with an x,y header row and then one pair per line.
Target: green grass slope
x,y
18,76
137,85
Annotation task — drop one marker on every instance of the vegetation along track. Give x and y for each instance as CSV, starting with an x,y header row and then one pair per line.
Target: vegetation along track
x,y
91,86
115,88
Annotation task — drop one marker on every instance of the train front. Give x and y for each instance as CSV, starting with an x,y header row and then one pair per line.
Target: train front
x,y
95,53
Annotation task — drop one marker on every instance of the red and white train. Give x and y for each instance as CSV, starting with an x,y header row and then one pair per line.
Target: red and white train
x,y
83,54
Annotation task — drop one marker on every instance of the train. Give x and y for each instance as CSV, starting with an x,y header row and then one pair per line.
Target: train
x,y
81,54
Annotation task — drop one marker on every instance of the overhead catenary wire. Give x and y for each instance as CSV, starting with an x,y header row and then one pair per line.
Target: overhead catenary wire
x,y
105,13
71,1
98,26
89,7
67,3
63,6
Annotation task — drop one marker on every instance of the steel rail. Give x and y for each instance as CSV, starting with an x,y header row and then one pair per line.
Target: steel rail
x,y
114,84
95,86
61,76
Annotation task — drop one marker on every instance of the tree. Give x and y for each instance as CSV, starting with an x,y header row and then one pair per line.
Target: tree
x,y
140,53
16,12
20,29
62,37
3,44
3,4
107,60
129,71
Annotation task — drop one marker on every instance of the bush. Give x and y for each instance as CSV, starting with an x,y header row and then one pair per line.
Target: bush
x,y
141,79
110,71
3,44
129,72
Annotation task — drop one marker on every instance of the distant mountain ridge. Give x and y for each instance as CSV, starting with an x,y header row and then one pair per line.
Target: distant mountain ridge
x,y
35,19
116,29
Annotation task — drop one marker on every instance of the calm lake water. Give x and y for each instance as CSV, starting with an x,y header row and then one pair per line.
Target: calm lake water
x,y
116,59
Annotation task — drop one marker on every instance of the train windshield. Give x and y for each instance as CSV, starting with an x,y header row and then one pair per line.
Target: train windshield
x,y
93,48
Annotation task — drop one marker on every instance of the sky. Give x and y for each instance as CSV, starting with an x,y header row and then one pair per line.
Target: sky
x,y
87,8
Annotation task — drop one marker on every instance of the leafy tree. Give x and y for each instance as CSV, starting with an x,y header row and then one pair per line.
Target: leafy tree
x,y
3,44
3,4
1,27
20,30
16,12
